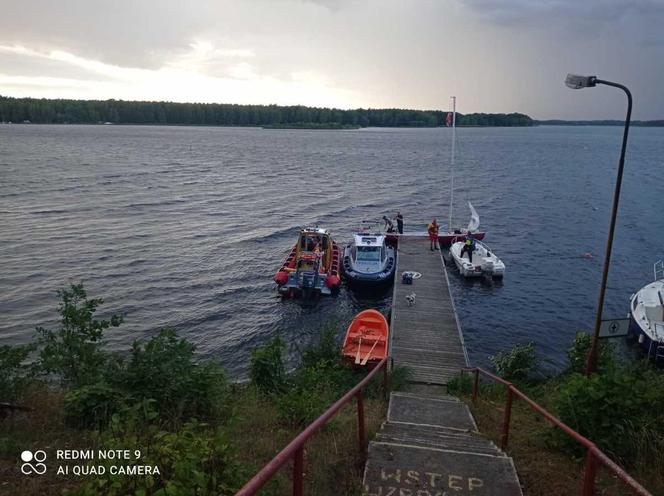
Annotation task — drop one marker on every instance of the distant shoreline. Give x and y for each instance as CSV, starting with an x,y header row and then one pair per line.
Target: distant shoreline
x,y
560,122
57,111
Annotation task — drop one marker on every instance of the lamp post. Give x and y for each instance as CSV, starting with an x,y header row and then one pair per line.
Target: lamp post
x,y
577,82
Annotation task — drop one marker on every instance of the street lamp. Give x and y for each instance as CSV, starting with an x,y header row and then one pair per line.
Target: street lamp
x,y
577,82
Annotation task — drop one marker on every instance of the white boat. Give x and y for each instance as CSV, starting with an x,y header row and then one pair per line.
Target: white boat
x,y
485,261
369,259
646,316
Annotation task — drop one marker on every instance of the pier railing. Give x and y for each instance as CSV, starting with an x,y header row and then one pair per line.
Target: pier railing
x,y
295,449
593,454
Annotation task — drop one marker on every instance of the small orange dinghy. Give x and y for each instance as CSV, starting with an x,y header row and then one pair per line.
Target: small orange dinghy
x,y
366,340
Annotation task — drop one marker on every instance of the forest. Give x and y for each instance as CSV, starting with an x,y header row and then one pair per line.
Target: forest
x,y
45,111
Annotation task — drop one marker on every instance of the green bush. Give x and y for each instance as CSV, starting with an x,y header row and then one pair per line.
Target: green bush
x,y
14,375
326,351
517,363
299,407
74,352
196,460
577,355
608,408
163,369
266,369
93,405
461,384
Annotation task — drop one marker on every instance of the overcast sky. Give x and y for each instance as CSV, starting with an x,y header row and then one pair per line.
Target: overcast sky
x,y
494,55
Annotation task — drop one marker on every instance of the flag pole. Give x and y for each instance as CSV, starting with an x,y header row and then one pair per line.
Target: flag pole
x,y
449,226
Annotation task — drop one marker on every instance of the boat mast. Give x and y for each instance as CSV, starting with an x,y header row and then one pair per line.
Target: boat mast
x,y
449,226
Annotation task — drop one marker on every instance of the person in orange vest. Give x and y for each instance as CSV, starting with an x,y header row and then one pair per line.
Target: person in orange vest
x,y
432,229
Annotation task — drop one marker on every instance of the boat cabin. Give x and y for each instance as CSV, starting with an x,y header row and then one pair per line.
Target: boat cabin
x,y
314,245
369,249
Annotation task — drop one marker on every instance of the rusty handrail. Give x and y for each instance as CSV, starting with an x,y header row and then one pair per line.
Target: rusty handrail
x,y
295,449
593,455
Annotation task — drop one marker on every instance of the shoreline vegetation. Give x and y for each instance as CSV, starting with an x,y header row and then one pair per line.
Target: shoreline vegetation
x,y
66,391
196,431
45,111
50,111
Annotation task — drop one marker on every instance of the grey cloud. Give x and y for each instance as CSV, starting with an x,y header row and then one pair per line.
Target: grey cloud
x,y
635,19
496,55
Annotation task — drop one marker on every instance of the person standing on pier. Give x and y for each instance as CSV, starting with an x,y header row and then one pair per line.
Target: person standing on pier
x,y
432,229
399,222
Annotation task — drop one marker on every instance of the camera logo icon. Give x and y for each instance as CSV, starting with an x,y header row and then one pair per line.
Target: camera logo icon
x,y
38,467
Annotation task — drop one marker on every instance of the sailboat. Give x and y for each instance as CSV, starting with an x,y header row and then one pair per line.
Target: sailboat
x,y
455,234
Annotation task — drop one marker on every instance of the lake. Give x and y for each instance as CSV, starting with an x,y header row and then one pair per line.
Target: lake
x,y
184,227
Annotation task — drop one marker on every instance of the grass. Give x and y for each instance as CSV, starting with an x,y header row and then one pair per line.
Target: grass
x,y
333,463
544,468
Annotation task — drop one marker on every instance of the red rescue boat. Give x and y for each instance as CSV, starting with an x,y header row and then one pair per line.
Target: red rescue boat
x,y
312,266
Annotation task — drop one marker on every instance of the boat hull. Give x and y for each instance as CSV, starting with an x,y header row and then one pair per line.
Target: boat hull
x,y
364,278
648,345
484,263
646,329
367,339
310,273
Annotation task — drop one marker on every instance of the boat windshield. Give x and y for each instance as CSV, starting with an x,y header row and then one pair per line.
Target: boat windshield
x,y
368,254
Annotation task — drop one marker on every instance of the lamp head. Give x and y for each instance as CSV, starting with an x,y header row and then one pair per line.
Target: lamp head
x,y
577,82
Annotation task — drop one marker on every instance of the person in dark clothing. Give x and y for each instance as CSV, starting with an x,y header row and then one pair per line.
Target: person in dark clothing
x,y
468,246
399,222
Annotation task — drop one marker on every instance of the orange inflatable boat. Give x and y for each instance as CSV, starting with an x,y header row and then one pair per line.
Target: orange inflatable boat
x,y
366,341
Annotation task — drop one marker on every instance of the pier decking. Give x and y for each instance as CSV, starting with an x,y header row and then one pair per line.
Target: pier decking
x,y
429,444
425,336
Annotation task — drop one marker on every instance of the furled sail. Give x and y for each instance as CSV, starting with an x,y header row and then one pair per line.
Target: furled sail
x,y
474,223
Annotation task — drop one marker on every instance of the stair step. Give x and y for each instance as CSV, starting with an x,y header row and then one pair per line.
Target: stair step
x,y
430,411
448,443
415,430
424,396
427,436
395,469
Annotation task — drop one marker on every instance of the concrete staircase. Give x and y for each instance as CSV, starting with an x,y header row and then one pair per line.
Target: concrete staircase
x,y
429,446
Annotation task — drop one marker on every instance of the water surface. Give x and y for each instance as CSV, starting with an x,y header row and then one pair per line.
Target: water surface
x,y
185,226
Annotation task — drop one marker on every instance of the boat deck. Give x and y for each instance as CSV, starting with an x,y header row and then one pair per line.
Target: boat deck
x,y
425,336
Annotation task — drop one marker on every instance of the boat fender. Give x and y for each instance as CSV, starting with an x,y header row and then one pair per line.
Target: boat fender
x,y
281,278
332,281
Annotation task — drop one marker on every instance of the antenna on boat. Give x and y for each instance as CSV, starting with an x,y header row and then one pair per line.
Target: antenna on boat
x,y
449,226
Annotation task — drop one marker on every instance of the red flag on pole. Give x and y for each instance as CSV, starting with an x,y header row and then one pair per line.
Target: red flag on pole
x,y
448,120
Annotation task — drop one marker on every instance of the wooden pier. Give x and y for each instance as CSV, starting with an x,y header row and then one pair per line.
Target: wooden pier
x,y
425,336
429,444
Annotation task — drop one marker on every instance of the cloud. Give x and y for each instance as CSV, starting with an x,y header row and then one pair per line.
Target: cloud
x,y
629,19
186,79
495,55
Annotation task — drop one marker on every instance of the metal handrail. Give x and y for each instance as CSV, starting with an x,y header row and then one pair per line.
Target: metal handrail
x,y
593,455
295,449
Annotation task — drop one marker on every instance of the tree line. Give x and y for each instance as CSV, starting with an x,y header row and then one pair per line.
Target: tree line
x,y
45,111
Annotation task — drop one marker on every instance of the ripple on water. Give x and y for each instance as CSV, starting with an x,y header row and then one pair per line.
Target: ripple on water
x,y
184,227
